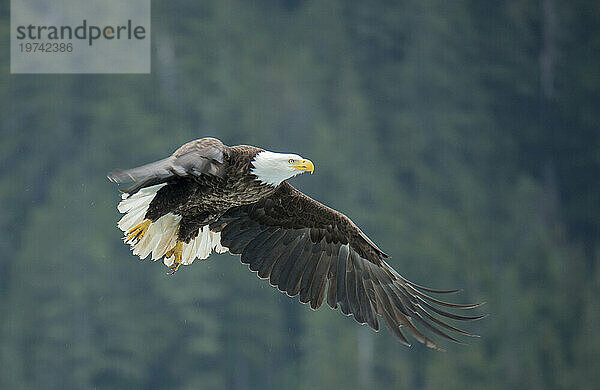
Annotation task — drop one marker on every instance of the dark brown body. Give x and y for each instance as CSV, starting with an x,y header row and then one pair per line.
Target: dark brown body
x,y
201,200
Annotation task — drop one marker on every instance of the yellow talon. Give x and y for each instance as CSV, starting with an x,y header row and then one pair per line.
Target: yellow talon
x,y
138,232
177,250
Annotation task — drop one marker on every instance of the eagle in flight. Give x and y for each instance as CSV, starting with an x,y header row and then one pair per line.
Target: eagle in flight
x,y
209,196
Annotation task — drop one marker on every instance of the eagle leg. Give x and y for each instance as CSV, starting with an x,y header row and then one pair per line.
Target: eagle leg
x,y
177,251
136,233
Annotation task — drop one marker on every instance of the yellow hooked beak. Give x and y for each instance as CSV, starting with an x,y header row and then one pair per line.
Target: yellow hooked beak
x,y
304,165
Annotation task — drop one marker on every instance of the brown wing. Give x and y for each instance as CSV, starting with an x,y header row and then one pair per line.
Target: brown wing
x,y
202,156
307,249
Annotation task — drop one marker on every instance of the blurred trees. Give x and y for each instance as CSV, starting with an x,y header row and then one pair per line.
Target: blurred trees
x,y
462,138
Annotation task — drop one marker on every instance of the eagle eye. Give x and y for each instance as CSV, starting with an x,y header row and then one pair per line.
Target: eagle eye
x,y
291,160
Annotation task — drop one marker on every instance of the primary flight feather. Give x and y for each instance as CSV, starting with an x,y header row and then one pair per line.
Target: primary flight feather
x,y
208,196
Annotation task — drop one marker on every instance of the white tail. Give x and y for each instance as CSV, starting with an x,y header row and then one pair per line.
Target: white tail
x,y
162,233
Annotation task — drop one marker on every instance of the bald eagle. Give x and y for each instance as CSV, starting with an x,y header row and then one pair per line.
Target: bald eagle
x,y
208,196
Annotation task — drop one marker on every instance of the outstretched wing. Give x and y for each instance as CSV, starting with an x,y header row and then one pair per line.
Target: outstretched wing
x,y
307,249
202,156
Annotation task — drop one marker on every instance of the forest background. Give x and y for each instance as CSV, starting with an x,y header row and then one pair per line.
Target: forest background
x,y
463,137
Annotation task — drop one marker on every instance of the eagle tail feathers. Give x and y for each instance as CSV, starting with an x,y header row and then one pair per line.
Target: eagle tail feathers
x,y
156,238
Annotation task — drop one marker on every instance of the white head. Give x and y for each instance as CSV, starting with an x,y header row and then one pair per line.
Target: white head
x,y
273,168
